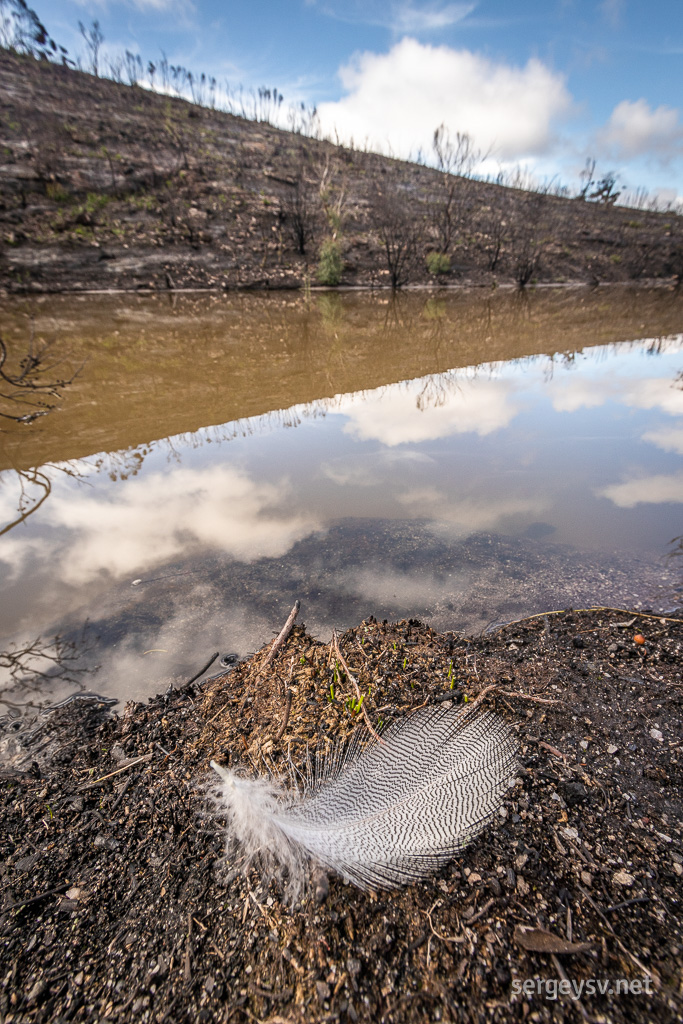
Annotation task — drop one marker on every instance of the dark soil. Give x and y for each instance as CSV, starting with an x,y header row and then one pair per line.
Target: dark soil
x,y
106,186
116,905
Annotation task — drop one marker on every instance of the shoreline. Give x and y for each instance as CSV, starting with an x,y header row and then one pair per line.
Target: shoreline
x,y
117,905
651,284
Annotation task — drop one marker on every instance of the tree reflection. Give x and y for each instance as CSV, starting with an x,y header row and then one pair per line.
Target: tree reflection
x,y
35,487
27,665
25,391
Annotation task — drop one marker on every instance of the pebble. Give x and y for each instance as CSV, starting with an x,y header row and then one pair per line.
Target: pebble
x,y
656,735
622,878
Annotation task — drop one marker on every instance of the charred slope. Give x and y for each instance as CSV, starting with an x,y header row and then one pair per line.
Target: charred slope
x,y
104,185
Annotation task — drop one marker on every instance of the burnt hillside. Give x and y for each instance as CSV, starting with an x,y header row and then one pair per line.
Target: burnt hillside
x,y
104,185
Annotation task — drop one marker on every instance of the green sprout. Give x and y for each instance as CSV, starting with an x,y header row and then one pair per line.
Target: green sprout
x,y
354,704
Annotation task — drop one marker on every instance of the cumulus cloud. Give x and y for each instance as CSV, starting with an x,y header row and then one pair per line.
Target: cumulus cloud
x,y
151,519
604,383
651,490
395,416
403,95
636,129
668,440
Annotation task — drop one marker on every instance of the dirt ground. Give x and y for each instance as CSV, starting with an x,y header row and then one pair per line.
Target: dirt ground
x,y
116,904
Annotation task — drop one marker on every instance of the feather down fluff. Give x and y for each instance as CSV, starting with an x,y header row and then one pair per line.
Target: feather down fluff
x,y
384,813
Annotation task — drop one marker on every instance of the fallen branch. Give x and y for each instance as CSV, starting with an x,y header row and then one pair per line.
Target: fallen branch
x,y
285,719
34,899
510,693
201,672
130,764
444,938
579,611
280,639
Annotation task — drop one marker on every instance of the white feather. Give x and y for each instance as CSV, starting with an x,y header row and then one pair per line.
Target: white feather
x,y
384,813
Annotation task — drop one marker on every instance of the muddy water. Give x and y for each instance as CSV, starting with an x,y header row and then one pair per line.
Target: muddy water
x,y
462,459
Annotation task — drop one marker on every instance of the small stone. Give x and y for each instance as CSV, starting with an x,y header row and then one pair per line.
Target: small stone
x,y
473,878
586,878
678,869
495,886
570,833
353,966
36,991
657,735
612,749
323,990
108,844
522,886
622,878
78,980
583,744
73,893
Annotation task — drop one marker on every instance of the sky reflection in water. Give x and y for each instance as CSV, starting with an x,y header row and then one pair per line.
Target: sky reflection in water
x,y
452,497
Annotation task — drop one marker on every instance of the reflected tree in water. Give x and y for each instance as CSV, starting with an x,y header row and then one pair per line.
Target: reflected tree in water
x,y
27,665
25,392
35,487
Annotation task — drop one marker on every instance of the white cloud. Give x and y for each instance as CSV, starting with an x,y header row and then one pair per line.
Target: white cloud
x,y
409,19
394,416
571,393
458,514
151,519
654,393
669,440
405,94
401,16
650,490
635,129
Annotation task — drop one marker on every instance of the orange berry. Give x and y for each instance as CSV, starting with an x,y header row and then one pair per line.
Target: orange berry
x,y
639,638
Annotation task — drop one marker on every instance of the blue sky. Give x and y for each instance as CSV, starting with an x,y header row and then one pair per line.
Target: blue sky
x,y
538,83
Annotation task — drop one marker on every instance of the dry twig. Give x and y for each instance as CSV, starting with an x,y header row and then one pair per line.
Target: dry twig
x,y
354,681
280,639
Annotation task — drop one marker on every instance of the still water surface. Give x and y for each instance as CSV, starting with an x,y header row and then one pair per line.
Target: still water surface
x,y
461,459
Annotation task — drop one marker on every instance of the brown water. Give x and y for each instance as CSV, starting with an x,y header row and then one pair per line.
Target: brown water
x,y
461,458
